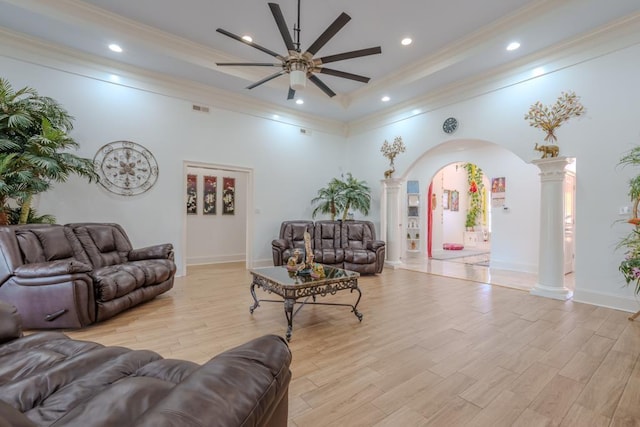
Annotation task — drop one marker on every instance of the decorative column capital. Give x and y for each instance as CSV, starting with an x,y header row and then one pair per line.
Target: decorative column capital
x,y
552,169
392,183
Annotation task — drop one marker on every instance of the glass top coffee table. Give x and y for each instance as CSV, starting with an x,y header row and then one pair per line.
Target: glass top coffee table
x,y
292,286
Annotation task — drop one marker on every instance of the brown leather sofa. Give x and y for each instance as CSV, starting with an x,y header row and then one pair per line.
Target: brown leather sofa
x,y
350,244
49,379
69,276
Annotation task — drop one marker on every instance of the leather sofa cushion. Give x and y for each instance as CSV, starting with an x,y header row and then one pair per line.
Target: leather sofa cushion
x,y
54,243
359,256
30,247
356,235
115,281
329,256
102,236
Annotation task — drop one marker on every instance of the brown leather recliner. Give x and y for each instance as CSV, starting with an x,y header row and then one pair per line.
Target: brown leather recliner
x,y
350,244
74,275
49,379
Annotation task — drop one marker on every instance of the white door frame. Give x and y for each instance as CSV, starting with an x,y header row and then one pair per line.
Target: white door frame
x,y
249,203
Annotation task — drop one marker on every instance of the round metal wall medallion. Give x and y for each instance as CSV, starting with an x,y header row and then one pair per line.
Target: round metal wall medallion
x,y
126,168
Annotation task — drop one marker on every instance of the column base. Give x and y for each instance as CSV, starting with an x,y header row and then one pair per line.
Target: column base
x,y
394,265
554,292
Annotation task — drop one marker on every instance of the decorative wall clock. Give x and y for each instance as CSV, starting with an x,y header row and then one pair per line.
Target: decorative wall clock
x,y
126,168
450,125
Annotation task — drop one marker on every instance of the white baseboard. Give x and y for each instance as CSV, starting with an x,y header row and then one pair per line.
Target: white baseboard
x,y
607,300
505,265
219,259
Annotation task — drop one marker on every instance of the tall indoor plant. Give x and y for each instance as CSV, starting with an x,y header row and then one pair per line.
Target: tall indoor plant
x,y
342,196
34,144
630,265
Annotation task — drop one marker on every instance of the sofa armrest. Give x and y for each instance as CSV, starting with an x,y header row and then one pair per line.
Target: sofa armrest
x,y
10,322
50,269
164,251
247,386
280,244
374,245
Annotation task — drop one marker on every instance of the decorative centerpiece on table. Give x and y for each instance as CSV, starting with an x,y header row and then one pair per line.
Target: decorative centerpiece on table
x,y
549,118
630,265
306,267
390,151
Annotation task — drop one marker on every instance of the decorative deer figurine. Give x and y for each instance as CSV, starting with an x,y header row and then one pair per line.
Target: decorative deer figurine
x,y
547,150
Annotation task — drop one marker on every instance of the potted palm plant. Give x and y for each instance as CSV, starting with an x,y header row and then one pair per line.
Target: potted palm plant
x,y
34,147
343,196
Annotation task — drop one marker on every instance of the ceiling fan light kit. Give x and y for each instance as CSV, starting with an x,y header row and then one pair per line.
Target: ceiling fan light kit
x,y
302,66
298,76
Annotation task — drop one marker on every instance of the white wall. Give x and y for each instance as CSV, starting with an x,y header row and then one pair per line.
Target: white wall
x,y
218,238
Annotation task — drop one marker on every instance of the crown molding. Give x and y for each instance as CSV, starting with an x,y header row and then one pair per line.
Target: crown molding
x,y
36,51
605,40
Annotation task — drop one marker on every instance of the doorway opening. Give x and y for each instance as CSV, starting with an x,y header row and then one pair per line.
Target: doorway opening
x,y
217,225
460,227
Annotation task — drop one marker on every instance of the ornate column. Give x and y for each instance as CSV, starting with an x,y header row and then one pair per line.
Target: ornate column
x,y
390,222
551,260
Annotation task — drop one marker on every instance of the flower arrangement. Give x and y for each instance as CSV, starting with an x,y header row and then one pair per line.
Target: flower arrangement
x,y
390,151
548,118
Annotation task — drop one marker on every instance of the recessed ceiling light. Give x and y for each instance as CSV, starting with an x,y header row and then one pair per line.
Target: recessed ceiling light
x,y
115,48
385,99
247,38
406,41
513,46
276,117
299,101
537,71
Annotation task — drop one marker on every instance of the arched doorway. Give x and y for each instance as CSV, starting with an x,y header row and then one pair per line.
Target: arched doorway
x,y
514,228
460,227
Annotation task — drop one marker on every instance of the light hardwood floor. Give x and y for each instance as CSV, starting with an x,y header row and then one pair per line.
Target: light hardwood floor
x,y
431,350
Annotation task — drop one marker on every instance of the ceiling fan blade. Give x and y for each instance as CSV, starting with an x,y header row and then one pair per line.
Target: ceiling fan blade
x,y
282,26
252,44
331,31
247,64
291,94
348,55
315,80
266,79
345,75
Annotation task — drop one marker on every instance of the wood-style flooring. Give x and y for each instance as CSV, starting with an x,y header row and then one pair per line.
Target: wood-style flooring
x,y
430,351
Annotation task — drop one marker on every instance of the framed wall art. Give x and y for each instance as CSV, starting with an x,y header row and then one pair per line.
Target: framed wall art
x,y
209,193
192,194
228,196
455,200
445,199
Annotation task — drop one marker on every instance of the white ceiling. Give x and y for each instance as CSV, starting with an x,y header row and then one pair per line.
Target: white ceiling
x,y
453,40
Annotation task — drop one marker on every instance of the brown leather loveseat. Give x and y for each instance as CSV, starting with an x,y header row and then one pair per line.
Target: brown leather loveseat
x,y
350,244
69,276
48,379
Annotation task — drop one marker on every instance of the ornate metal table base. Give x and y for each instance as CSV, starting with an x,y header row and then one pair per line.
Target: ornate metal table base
x,y
309,289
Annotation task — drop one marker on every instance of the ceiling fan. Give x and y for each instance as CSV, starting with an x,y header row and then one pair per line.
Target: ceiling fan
x,y
302,65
